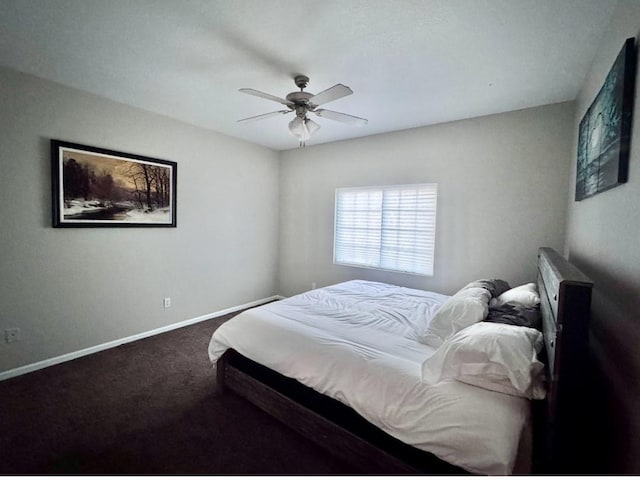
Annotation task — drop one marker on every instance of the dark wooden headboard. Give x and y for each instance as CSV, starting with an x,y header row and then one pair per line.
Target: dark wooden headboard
x,y
565,303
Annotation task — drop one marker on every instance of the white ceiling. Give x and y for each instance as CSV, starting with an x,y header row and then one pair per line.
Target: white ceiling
x,y
410,62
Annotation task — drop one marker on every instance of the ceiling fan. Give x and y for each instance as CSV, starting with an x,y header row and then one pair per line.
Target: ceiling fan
x,y
302,103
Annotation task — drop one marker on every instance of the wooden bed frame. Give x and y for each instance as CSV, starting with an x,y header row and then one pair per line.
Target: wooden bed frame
x,y
565,304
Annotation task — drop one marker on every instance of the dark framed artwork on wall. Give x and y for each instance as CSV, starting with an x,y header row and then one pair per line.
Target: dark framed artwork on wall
x,y
96,187
605,130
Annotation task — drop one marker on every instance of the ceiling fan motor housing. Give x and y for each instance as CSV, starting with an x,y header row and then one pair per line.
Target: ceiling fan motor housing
x,y
300,101
299,98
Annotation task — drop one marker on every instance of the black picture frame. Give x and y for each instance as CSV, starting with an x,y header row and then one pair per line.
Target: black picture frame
x,y
604,135
97,187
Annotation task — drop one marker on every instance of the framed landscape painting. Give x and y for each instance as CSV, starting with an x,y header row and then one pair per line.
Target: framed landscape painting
x,y
95,187
605,130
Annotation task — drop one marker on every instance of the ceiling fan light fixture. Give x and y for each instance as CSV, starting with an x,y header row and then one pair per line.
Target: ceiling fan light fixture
x,y
295,127
312,126
302,129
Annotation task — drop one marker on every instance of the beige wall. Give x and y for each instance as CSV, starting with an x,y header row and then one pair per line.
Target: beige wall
x,y
69,289
603,239
502,183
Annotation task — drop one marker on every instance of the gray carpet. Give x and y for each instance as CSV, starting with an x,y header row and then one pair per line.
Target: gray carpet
x,y
149,406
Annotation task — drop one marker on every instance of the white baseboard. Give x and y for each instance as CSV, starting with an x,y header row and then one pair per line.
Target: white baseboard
x,y
32,367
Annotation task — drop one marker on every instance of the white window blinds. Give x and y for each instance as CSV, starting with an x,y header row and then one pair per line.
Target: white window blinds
x,y
389,227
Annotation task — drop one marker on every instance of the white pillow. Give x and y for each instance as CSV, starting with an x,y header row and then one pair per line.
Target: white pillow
x,y
492,356
466,307
526,294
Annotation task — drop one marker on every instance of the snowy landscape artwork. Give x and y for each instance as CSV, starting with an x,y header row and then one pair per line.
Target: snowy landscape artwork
x,y
605,130
95,187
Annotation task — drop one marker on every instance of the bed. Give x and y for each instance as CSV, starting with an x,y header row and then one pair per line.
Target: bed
x,y
342,366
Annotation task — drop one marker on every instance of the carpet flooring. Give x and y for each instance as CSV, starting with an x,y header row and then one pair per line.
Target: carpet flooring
x,y
147,407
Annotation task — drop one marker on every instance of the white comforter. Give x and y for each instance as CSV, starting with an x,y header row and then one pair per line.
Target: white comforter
x,y
355,342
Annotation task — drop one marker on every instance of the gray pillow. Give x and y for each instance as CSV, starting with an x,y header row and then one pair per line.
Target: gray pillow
x,y
495,286
515,314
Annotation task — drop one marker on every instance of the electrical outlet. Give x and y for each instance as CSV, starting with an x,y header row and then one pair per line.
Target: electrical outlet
x,y
12,335
313,285
167,302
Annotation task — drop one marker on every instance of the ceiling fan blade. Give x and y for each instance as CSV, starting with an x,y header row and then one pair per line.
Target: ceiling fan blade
x,y
341,117
331,94
264,115
268,96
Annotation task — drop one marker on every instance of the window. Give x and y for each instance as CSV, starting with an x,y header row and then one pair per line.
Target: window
x,y
389,227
